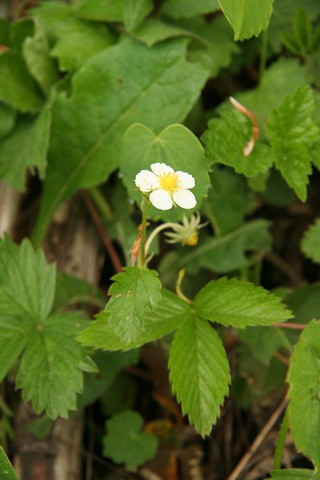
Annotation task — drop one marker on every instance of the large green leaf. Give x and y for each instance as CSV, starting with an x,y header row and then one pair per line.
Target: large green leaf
x,y
247,17
169,315
199,372
131,82
124,441
292,133
6,469
175,146
303,377
135,11
135,294
239,304
25,148
311,242
188,8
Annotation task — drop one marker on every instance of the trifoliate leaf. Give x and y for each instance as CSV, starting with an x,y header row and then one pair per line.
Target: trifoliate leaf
x,y
239,304
199,372
187,8
130,80
135,11
169,315
124,441
247,17
175,146
135,293
292,134
25,148
6,469
226,139
17,87
311,242
303,378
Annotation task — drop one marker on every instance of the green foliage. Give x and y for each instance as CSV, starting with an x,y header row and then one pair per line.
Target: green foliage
x,y
137,81
187,8
199,372
310,244
292,134
292,474
6,470
135,11
264,342
125,443
239,304
106,10
175,146
7,119
303,378
248,17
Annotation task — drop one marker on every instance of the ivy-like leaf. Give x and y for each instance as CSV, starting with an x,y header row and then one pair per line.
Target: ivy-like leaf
x,y
239,304
25,148
125,443
292,134
199,372
175,146
131,82
311,242
135,293
247,17
6,469
303,378
169,316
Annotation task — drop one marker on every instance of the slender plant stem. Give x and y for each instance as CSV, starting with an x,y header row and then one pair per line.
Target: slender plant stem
x,y
144,209
155,233
178,286
293,326
263,53
281,442
101,203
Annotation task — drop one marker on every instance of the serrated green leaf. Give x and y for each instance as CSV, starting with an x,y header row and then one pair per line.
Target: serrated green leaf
x,y
169,315
135,293
239,304
7,119
292,474
135,11
106,10
247,17
226,253
50,369
199,372
136,80
226,139
175,146
6,469
125,443
302,28
303,378
188,8
17,88
154,30
311,242
25,148
292,134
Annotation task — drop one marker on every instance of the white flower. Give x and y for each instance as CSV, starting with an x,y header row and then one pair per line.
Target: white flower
x,y
166,187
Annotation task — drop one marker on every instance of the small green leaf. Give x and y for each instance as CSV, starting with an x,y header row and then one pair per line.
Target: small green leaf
x,y
247,17
6,469
175,146
125,443
187,8
169,315
17,87
199,372
154,30
135,11
293,474
25,148
135,293
303,378
106,10
311,242
302,28
239,304
292,134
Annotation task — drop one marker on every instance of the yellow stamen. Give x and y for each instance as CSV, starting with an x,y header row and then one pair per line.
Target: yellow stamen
x,y
169,182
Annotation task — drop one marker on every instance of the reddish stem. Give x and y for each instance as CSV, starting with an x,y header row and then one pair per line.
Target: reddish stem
x,y
294,326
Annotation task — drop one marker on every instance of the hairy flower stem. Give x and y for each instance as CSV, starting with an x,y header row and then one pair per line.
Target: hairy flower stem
x,y
144,208
281,442
155,232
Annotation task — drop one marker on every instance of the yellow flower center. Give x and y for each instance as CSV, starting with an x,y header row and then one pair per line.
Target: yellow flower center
x,y
169,182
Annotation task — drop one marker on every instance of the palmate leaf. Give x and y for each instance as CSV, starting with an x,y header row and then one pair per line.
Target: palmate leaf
x,y
247,17
239,304
311,242
6,469
303,378
199,372
292,134
169,316
132,82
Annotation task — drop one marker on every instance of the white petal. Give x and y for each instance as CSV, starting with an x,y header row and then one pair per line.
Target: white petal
x,y
185,199
185,180
146,181
161,199
161,168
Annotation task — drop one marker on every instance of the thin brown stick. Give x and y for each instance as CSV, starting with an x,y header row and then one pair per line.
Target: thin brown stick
x,y
258,441
282,359
293,326
102,232
284,267
255,128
